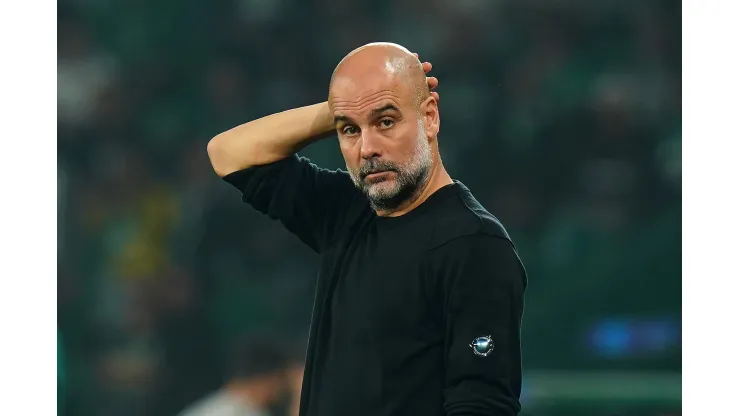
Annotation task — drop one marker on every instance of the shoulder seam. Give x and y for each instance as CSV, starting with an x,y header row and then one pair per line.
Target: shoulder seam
x,y
480,231
472,234
464,202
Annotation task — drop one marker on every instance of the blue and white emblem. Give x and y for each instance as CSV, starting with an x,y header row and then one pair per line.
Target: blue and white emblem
x,y
482,346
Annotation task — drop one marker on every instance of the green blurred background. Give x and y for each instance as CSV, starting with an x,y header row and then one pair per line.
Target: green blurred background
x,y
563,117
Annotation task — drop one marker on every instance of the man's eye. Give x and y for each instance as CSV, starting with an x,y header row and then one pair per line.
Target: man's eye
x,y
349,130
386,123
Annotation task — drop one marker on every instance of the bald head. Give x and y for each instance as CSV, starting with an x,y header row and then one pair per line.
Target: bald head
x,y
384,65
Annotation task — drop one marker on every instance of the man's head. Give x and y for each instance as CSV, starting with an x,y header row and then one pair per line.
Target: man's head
x,y
387,122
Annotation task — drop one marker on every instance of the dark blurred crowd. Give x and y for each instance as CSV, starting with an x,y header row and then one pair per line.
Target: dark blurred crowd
x,y
564,118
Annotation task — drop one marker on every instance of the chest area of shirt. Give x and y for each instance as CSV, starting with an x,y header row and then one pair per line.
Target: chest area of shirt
x,y
383,289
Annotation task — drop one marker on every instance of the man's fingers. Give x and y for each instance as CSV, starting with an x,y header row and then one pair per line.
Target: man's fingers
x,y
432,82
426,65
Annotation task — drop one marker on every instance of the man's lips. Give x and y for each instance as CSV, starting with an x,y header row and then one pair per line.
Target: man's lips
x,y
377,174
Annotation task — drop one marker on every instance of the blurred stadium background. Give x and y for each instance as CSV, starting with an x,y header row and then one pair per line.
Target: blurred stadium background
x,y
563,117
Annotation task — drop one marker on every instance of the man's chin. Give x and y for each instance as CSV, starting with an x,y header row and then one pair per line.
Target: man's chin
x,y
382,189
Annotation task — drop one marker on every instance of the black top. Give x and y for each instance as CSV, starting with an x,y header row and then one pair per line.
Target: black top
x,y
400,301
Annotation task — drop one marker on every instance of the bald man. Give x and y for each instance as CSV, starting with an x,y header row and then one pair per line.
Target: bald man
x,y
420,291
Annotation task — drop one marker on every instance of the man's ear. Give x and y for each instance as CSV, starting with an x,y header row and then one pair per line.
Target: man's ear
x,y
430,116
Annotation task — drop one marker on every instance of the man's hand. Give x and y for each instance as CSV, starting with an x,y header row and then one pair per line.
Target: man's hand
x,y
431,81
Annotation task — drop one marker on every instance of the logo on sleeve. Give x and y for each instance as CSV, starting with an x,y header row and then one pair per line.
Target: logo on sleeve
x,y
482,346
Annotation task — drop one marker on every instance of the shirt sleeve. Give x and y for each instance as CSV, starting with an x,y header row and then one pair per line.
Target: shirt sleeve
x,y
483,284
311,202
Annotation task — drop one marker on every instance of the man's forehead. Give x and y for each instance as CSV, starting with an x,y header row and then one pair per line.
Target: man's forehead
x,y
351,95
365,98
372,106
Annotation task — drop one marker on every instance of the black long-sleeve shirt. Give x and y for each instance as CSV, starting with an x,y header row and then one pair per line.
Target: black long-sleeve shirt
x,y
400,300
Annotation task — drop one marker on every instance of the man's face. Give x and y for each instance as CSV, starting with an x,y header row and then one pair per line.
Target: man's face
x,y
384,142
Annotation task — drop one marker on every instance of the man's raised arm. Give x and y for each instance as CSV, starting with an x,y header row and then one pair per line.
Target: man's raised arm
x,y
269,139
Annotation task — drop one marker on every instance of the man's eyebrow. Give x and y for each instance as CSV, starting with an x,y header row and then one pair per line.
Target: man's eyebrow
x,y
388,107
374,113
341,118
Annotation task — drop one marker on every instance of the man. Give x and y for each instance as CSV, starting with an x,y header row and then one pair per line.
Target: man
x,y
257,383
420,291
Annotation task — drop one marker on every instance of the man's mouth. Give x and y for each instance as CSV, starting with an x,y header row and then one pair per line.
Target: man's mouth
x,y
377,174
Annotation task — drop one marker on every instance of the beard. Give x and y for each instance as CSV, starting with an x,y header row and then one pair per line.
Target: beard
x,y
408,179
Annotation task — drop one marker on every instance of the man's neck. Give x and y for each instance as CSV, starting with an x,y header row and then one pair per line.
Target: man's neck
x,y
438,179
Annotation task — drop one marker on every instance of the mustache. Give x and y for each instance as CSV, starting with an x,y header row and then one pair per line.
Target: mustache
x,y
375,166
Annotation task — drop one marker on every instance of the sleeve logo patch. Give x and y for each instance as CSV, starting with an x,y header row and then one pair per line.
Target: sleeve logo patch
x,y
482,346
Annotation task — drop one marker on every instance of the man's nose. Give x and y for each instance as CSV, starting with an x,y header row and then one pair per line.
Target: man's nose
x,y
370,146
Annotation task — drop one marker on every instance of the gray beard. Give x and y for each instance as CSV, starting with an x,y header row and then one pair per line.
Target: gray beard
x,y
406,187
408,183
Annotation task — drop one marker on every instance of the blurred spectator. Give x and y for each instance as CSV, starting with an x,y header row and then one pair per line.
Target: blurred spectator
x,y
83,73
295,383
257,383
